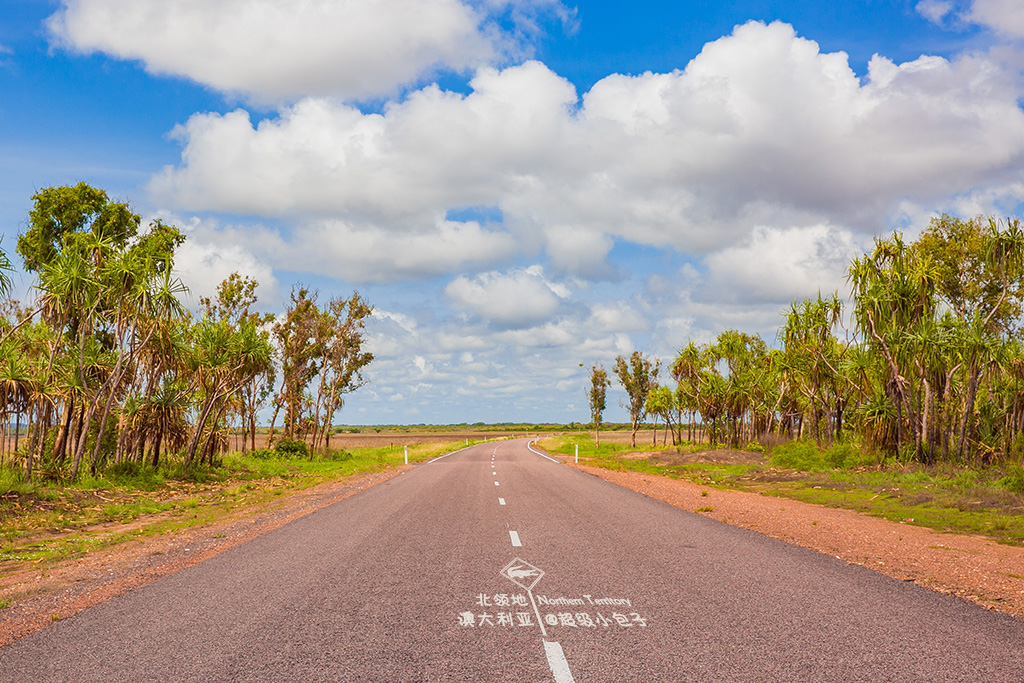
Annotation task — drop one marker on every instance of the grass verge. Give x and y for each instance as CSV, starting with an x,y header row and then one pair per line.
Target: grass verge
x,y
950,498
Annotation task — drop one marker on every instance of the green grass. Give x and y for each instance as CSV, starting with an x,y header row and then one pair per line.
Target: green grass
x,y
947,498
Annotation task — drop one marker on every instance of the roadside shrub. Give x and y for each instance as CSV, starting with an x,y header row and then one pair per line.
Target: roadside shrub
x,y
799,455
292,448
13,480
966,479
131,473
1014,482
842,455
263,454
338,455
127,469
196,472
754,447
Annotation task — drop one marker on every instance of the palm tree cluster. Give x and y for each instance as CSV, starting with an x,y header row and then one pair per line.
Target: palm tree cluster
x,y
927,366
107,365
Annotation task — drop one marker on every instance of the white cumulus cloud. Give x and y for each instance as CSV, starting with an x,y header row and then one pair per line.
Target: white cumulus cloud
x,y
202,266
760,129
778,266
276,49
934,10
1002,16
517,299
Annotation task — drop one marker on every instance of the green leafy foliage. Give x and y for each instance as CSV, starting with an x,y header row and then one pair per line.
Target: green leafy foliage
x,y
133,474
291,448
1014,481
803,456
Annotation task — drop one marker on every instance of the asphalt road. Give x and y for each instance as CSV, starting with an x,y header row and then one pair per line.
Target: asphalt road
x,y
497,564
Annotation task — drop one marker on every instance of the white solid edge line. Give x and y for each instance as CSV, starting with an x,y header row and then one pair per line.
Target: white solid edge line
x,y
514,535
557,662
464,448
530,446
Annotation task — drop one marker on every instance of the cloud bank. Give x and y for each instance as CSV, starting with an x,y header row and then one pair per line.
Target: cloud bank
x,y
760,129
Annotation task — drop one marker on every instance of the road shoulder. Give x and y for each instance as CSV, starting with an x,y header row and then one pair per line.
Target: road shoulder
x,y
970,567
41,595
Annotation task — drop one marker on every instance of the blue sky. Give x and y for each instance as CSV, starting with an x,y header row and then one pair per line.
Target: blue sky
x,y
519,186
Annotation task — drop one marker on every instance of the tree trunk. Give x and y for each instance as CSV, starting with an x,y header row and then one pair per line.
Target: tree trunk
x,y
252,429
273,423
29,452
60,446
925,448
156,446
972,393
193,443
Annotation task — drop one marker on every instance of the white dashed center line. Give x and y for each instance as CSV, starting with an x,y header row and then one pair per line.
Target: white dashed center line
x,y
556,660
501,501
495,483
514,535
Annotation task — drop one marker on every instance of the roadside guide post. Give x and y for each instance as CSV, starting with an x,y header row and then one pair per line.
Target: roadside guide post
x,y
406,455
577,454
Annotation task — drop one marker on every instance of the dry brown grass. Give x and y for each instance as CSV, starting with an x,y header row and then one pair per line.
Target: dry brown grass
x,y
376,440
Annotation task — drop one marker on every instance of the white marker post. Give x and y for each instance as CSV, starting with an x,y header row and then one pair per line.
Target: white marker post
x,y
406,455
577,454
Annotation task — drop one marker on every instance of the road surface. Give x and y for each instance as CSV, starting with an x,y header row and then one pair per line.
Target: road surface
x,y
496,563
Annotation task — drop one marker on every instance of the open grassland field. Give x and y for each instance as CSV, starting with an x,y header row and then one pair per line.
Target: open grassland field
x,y
391,439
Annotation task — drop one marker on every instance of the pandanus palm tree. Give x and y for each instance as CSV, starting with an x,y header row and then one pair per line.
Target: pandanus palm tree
x,y
16,383
221,359
165,418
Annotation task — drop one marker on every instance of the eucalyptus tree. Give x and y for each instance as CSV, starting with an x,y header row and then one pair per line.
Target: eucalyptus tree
x,y
295,337
985,287
341,339
597,398
637,376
